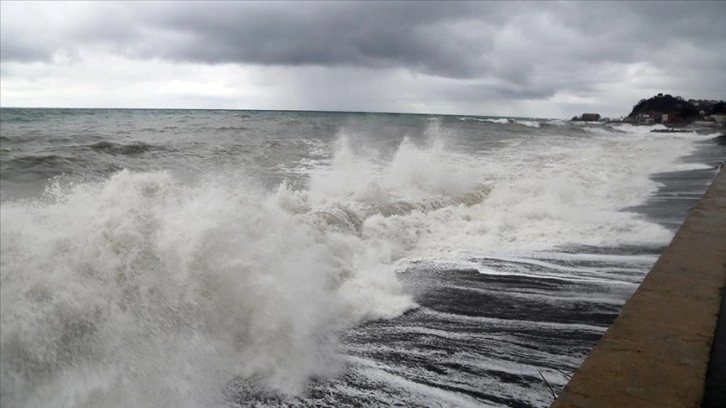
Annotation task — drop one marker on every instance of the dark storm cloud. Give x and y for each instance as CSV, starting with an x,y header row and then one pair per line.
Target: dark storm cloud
x,y
375,35
513,50
452,39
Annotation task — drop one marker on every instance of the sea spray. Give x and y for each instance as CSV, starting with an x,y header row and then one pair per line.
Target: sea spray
x,y
151,289
144,283
148,284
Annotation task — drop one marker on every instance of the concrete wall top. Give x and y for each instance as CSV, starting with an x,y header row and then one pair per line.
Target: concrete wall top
x,y
656,353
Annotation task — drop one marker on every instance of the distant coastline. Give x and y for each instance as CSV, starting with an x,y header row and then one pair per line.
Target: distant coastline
x,y
671,111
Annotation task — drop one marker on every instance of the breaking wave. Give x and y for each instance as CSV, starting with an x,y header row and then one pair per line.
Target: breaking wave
x,y
506,121
528,123
142,290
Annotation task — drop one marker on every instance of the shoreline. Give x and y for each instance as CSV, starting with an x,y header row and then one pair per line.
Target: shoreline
x,y
657,352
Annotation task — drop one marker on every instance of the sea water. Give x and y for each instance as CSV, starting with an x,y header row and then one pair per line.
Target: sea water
x,y
180,258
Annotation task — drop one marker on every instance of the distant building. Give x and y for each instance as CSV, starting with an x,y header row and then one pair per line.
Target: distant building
x,y
719,118
590,117
669,118
644,119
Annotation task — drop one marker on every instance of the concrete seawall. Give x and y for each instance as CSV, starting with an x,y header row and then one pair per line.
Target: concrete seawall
x,y
656,353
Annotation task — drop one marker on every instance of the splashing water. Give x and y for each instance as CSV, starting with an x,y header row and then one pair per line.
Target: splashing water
x,y
146,290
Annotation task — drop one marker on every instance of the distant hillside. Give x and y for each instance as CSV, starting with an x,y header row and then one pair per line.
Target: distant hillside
x,y
661,104
718,109
683,110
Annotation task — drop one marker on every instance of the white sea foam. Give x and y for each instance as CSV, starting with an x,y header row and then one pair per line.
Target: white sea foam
x,y
542,195
528,123
145,291
143,284
505,121
556,122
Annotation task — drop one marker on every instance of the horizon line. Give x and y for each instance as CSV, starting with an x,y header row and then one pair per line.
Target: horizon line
x,y
284,110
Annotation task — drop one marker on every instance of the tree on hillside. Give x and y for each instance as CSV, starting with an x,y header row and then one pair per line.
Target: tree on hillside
x,y
719,108
662,104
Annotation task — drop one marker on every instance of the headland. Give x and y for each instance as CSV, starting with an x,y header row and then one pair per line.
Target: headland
x,y
672,111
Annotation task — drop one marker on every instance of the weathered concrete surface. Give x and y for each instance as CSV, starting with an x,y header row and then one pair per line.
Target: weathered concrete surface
x,y
656,352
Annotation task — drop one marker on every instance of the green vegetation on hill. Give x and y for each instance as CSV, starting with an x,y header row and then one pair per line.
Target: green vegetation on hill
x,y
661,104
681,109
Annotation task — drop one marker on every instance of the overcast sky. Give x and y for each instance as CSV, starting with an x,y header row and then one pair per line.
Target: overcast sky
x,y
514,59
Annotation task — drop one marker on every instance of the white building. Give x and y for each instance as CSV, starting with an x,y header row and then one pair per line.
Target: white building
x,y
719,118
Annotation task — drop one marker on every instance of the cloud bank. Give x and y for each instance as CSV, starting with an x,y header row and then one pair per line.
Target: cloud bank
x,y
519,58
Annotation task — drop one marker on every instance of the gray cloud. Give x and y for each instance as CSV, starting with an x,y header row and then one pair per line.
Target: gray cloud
x,y
377,35
453,39
508,50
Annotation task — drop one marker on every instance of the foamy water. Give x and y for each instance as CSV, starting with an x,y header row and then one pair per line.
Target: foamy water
x,y
220,257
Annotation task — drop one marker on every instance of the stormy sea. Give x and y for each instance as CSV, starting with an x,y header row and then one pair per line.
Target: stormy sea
x,y
182,258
